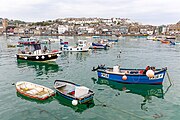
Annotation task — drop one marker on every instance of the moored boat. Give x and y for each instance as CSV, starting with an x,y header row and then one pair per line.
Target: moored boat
x,y
177,43
165,41
95,36
82,46
54,39
34,91
170,37
102,44
27,41
74,92
38,54
151,38
168,41
150,75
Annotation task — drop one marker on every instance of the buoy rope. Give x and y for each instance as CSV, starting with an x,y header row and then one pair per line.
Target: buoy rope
x,y
167,89
102,104
124,111
42,110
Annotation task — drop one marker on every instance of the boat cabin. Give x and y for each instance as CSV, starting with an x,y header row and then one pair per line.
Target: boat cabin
x,y
82,43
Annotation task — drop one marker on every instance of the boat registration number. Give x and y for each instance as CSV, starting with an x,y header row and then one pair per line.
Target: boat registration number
x,y
157,77
104,75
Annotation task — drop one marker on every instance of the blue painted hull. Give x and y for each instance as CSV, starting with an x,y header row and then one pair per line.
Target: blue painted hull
x,y
98,46
133,78
84,100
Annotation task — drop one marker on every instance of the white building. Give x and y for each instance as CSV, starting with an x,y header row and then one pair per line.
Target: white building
x,y
143,31
150,32
164,30
90,30
83,20
83,28
62,29
107,21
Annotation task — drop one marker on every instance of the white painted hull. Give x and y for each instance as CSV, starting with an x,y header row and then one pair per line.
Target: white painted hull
x,y
78,49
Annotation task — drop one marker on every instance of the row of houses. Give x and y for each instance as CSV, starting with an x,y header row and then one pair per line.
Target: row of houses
x,y
90,26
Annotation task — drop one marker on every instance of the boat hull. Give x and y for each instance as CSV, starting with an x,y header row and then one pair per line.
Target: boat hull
x,y
84,100
98,46
24,91
39,57
73,49
133,78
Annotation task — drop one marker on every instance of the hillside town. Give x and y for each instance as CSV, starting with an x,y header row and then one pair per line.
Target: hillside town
x,y
85,27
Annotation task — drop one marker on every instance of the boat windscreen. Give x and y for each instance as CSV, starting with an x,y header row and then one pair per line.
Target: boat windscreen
x,y
37,46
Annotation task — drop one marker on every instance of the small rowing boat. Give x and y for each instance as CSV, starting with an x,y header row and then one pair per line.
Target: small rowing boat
x,y
74,92
34,91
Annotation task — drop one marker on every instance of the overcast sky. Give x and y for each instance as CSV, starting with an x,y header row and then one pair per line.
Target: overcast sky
x,y
155,12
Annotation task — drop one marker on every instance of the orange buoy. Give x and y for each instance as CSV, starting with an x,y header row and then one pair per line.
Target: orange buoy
x,y
124,77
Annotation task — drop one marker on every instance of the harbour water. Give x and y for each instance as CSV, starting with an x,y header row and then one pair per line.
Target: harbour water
x,y
111,100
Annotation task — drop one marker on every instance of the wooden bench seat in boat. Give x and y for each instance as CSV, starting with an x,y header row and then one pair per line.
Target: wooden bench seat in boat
x,y
35,91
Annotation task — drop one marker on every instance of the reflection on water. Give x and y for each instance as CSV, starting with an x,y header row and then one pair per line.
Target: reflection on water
x,y
34,100
78,108
40,67
80,56
147,91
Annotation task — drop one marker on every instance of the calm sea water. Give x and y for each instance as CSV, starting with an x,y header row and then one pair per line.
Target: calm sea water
x,y
111,101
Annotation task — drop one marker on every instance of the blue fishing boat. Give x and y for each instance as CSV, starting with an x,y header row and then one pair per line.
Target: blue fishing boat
x,y
99,46
74,92
150,75
82,46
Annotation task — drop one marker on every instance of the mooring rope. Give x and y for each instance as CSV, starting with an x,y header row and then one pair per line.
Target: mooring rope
x,y
124,111
170,81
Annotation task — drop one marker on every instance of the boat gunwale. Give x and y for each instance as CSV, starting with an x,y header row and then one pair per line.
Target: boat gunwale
x,y
38,97
90,94
129,74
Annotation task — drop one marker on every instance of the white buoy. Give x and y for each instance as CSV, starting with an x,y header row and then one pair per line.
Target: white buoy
x,y
25,57
37,57
74,102
124,77
150,73
49,56
42,57
58,55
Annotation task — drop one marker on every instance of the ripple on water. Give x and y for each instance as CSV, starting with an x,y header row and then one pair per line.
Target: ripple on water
x,y
76,67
